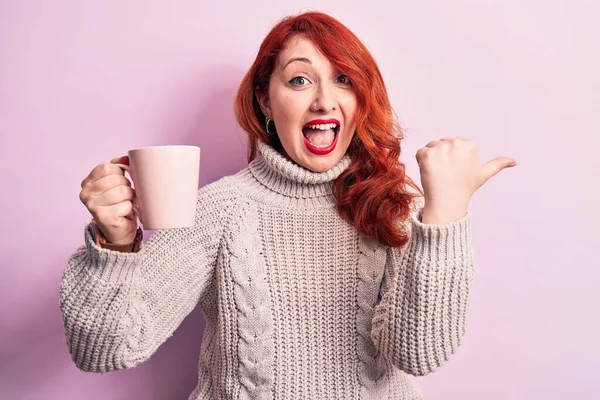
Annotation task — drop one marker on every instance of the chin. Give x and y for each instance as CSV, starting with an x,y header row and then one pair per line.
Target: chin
x,y
319,169
322,164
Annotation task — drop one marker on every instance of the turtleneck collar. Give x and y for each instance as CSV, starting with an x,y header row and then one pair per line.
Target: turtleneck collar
x,y
286,177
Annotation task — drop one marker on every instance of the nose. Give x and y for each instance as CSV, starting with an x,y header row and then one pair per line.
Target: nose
x,y
324,100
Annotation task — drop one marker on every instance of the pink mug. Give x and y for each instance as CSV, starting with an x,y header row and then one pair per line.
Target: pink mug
x,y
165,179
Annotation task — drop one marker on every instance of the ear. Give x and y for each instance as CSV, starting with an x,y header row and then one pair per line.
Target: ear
x,y
263,101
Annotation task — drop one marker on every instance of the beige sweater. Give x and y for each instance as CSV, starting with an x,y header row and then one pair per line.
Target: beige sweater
x,y
297,305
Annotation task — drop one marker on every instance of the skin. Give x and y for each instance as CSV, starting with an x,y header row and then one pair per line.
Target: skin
x,y
304,90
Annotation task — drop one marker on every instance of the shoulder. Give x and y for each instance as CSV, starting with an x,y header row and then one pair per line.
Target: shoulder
x,y
219,193
228,189
217,202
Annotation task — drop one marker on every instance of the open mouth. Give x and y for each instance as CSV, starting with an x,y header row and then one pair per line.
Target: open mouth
x,y
320,136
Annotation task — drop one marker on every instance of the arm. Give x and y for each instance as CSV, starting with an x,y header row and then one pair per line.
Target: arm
x,y
119,307
421,317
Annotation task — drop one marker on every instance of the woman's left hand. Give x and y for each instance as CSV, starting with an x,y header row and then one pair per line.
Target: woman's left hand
x,y
450,175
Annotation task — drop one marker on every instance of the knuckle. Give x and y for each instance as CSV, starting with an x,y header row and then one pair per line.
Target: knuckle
x,y
428,151
423,154
105,168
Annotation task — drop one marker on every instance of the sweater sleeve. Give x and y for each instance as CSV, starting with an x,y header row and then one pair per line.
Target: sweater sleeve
x,y
118,308
420,319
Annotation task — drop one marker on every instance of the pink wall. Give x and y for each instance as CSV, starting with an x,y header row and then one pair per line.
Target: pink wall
x,y
82,82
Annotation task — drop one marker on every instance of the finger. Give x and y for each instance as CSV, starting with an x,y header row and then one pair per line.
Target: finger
x,y
104,169
133,214
421,153
494,166
432,143
120,160
100,171
91,192
115,195
107,182
119,210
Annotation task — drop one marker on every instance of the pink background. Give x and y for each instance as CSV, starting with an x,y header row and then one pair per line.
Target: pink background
x,y
82,82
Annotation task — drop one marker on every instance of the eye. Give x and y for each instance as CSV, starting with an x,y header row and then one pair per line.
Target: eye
x,y
344,80
298,81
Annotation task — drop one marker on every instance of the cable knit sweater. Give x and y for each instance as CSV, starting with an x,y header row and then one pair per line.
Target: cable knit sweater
x,y
297,305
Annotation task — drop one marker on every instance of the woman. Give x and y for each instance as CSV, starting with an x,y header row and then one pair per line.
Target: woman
x,y
322,270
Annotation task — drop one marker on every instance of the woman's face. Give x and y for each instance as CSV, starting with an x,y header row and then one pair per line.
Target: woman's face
x,y
312,105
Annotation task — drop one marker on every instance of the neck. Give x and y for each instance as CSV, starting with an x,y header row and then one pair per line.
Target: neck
x,y
286,180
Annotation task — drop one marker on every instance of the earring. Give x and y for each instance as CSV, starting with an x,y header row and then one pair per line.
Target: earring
x,y
267,120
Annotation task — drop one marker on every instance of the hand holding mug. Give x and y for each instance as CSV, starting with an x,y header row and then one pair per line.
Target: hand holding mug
x,y
110,199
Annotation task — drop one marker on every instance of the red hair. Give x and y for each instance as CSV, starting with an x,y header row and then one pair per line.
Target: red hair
x,y
371,194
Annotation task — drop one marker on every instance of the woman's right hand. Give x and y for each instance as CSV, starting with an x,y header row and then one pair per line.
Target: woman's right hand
x,y
109,197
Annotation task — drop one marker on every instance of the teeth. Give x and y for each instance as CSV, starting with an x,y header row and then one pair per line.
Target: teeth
x,y
320,146
322,127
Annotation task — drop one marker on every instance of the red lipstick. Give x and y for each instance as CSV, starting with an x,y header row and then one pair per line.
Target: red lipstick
x,y
322,121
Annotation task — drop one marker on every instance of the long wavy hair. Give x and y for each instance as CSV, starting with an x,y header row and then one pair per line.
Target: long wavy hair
x,y
372,194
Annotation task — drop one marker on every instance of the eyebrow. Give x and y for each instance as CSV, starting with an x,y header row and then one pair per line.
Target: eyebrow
x,y
302,59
